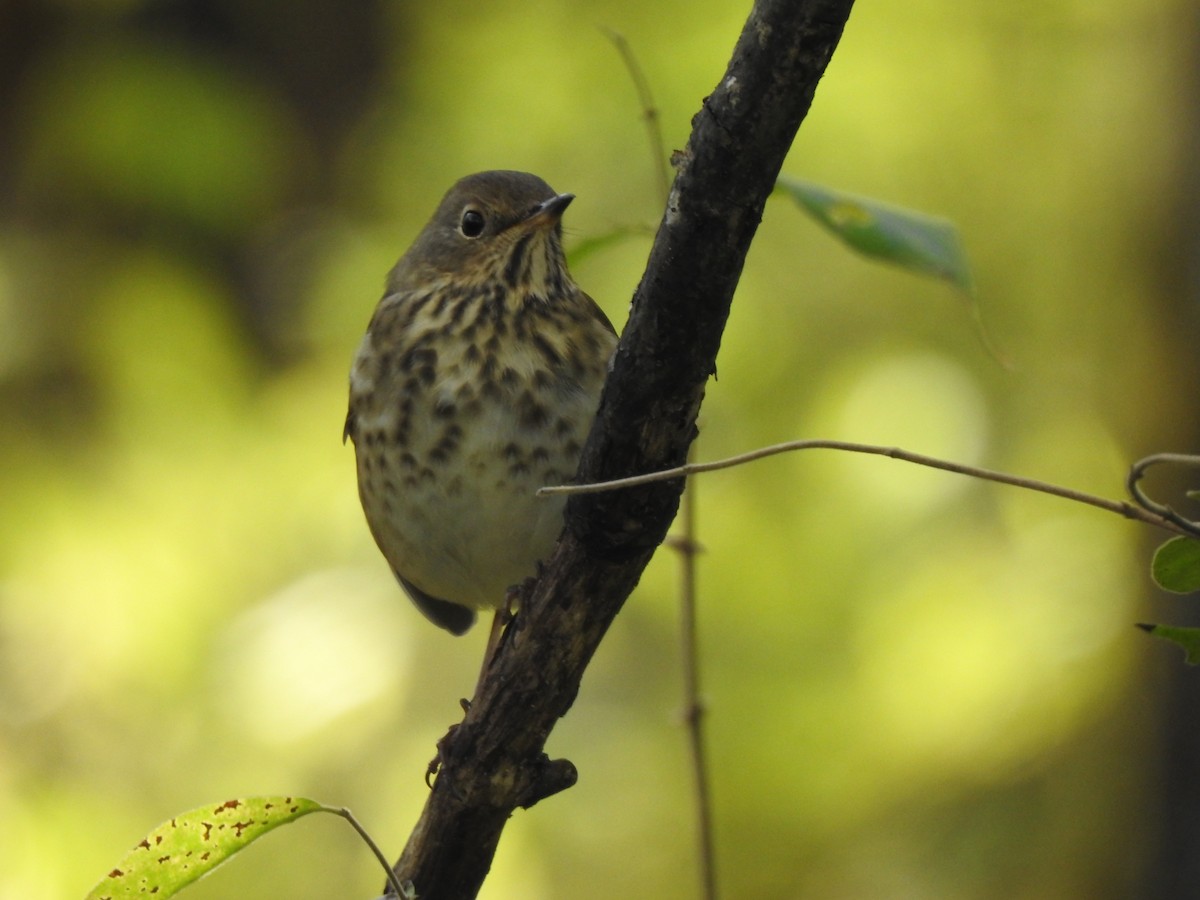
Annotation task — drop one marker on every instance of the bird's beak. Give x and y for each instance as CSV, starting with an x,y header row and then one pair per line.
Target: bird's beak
x,y
549,212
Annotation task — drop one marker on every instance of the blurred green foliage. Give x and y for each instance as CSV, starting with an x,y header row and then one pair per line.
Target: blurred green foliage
x,y
918,686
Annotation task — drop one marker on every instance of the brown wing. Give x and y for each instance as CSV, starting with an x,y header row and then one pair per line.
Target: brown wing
x,y
442,613
600,313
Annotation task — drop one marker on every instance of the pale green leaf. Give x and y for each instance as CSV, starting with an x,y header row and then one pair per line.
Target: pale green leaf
x,y
921,243
918,242
192,844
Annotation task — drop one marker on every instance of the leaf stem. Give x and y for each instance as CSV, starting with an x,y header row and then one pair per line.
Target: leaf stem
x,y
402,892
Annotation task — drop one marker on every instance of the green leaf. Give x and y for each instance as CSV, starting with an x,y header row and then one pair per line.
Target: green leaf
x,y
921,243
1187,638
194,843
1176,565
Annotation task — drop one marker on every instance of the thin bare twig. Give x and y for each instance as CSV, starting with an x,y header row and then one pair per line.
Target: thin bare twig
x,y
686,544
649,110
1148,512
693,708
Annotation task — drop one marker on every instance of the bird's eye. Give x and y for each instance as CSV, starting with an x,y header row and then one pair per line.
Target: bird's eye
x,y
472,223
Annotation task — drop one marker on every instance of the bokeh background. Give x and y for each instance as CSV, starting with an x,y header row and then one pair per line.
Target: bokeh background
x,y
919,686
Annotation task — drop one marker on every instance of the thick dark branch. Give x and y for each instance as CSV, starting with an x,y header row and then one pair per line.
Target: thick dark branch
x,y
493,762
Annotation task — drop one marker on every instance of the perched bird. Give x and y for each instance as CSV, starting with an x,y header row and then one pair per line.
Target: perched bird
x,y
476,384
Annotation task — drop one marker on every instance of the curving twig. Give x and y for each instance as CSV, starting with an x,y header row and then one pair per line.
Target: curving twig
x,y
1145,510
1138,470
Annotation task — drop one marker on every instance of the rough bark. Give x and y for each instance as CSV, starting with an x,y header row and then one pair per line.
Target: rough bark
x,y
494,762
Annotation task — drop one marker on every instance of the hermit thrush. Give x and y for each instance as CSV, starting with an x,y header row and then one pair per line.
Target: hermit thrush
x,y
475,384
